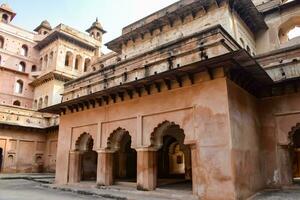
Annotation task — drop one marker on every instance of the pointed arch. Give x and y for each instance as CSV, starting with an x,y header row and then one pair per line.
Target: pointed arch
x,y
284,30
156,137
24,50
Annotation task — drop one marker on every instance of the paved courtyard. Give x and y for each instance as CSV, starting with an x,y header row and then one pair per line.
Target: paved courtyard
x,y
20,189
284,194
37,187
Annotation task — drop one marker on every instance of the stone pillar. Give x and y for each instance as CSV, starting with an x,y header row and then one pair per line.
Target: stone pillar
x,y
146,169
75,167
194,162
105,168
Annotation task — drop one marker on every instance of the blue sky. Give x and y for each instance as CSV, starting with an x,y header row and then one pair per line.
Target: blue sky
x,y
80,14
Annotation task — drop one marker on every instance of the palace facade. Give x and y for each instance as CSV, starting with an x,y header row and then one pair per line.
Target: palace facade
x,y
202,94
33,71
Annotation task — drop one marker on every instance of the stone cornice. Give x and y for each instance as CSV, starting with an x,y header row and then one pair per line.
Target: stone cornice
x,y
14,71
179,10
55,35
210,50
50,76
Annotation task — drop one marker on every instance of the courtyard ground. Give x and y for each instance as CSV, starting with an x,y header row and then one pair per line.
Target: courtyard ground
x,y
39,187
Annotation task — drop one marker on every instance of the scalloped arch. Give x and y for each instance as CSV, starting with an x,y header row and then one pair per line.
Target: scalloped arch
x,y
115,138
83,141
292,132
156,137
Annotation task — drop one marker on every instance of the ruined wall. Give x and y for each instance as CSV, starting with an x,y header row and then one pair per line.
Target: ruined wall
x,y
245,135
201,110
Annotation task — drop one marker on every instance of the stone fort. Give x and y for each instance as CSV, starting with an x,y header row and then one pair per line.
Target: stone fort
x,y
202,93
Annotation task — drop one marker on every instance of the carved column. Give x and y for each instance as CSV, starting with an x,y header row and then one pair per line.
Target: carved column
x,y
146,169
105,168
75,167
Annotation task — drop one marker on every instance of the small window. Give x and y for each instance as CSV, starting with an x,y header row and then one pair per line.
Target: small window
x,y
35,104
69,59
45,61
17,103
45,32
5,18
33,68
24,50
78,61
87,63
46,101
1,42
242,42
248,49
19,86
51,58
41,63
22,66
40,105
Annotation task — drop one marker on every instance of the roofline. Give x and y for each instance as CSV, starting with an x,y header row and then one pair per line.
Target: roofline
x,y
256,23
280,7
278,51
55,35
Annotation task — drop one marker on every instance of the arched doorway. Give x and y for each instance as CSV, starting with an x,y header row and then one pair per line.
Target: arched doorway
x,y
1,159
295,151
124,157
88,158
174,167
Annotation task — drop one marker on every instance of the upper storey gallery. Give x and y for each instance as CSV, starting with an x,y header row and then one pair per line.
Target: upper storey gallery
x,y
258,28
47,49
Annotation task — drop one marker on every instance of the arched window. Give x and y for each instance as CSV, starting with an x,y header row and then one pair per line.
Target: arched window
x,y
22,66
45,32
41,63
1,42
289,29
293,33
46,101
33,68
69,59
46,61
17,103
35,104
248,49
19,87
24,50
50,58
78,62
5,18
87,63
40,103
242,42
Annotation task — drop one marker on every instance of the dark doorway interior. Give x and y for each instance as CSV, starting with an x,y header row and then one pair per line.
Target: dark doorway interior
x,y
125,161
89,163
174,165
